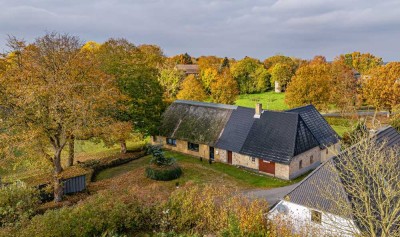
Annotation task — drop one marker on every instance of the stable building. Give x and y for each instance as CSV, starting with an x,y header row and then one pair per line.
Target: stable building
x,y
281,144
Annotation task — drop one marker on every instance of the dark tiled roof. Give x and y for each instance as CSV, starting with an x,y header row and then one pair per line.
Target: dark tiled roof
x,y
312,191
278,137
236,130
388,135
195,121
321,130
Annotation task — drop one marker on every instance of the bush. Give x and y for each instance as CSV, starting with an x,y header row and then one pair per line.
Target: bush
x,y
103,213
163,173
18,203
217,210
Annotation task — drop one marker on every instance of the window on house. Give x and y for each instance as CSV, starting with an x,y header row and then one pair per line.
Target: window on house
x,y
171,141
311,159
316,216
253,159
193,146
327,151
300,164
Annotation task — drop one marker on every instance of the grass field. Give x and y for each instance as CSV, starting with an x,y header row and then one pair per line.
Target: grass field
x,y
270,100
200,172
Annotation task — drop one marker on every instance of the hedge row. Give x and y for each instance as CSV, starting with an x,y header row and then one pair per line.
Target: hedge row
x,y
163,173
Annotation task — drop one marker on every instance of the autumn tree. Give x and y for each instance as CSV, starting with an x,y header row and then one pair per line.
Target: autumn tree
x,y
153,55
192,89
208,76
224,89
209,62
344,87
311,84
250,75
136,75
170,79
282,74
362,62
367,173
382,89
181,59
52,91
225,64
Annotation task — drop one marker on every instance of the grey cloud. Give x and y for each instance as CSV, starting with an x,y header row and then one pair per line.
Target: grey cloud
x,y
257,28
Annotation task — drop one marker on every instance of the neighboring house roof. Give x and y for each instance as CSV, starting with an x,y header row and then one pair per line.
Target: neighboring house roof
x,y
195,121
278,137
312,191
321,130
236,130
188,68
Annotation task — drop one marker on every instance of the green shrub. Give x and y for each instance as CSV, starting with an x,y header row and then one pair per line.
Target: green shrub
x,y
163,173
18,203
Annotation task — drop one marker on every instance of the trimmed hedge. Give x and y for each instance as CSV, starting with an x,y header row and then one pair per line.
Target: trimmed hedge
x,y
163,173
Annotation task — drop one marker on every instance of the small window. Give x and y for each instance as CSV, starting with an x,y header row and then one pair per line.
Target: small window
x,y
253,159
193,146
311,159
300,164
154,138
327,151
316,216
171,141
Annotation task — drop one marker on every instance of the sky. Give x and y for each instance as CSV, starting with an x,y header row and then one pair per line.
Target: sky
x,y
237,28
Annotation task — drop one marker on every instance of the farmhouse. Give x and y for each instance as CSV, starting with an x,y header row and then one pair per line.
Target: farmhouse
x,y
281,144
189,69
311,204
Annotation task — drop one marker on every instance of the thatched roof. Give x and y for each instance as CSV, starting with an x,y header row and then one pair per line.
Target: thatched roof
x,y
195,122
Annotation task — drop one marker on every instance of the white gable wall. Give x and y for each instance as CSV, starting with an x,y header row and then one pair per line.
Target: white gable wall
x,y
300,217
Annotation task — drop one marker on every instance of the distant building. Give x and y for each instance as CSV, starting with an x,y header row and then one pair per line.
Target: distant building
x,y
189,69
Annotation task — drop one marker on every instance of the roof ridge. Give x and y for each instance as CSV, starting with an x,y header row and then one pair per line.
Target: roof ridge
x,y
206,104
307,105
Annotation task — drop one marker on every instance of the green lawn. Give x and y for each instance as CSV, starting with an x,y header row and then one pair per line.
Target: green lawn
x,y
270,100
201,172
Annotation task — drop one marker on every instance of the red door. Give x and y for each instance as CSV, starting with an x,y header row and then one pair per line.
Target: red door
x,y
229,157
266,166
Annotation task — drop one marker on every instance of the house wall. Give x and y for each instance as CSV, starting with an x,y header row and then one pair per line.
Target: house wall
x,y
295,170
245,161
330,151
282,171
300,218
182,146
221,155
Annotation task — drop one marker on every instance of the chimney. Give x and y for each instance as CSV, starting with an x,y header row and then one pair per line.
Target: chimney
x,y
258,110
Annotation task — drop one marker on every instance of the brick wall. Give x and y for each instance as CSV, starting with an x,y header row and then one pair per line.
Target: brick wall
x,y
295,170
243,160
221,155
182,146
330,151
282,171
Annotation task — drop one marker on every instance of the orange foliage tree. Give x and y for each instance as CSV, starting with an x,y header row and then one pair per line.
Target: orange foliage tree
x,y
382,89
191,89
224,89
51,91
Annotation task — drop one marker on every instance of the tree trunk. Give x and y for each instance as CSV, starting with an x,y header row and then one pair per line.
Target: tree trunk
x,y
71,151
58,190
123,147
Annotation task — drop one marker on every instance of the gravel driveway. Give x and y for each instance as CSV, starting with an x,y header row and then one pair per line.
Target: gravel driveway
x,y
271,195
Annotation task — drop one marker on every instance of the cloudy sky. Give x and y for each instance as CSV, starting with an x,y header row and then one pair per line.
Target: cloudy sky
x,y
237,28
